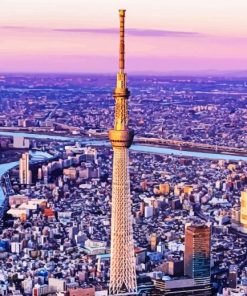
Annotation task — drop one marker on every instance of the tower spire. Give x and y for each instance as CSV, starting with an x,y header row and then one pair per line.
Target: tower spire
x,y
122,41
123,267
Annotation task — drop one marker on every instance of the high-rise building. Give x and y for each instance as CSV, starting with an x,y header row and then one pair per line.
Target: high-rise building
x,y
197,253
40,174
123,266
239,214
153,241
233,276
243,210
25,175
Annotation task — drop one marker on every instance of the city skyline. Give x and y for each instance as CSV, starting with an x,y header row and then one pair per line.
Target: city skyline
x,y
175,38
83,212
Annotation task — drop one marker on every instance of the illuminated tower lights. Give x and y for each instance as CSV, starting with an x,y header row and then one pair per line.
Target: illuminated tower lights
x,y
123,266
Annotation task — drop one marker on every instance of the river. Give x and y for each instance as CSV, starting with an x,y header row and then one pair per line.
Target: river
x,y
39,156
134,147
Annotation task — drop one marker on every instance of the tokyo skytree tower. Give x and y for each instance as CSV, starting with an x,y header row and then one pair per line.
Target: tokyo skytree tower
x,y
123,266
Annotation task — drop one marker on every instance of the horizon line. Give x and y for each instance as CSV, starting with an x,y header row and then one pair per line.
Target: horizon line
x,y
189,73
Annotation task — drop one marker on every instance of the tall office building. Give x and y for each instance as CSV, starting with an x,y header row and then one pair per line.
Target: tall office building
x,y
243,210
24,173
233,276
239,214
197,253
153,241
123,267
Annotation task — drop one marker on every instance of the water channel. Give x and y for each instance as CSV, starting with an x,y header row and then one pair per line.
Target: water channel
x,y
39,156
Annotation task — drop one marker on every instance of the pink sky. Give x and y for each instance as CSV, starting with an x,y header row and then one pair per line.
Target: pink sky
x,y
81,36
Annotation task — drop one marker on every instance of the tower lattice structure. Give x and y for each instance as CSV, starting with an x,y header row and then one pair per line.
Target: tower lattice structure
x,y
123,266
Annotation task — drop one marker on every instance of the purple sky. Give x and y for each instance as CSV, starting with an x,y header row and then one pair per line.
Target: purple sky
x,y
81,36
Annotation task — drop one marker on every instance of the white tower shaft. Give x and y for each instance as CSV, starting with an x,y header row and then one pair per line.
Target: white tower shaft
x,y
123,267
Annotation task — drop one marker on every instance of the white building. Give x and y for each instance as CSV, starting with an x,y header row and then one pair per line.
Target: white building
x,y
20,142
25,174
148,212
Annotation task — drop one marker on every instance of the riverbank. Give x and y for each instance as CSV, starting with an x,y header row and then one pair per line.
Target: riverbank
x,y
192,149
145,148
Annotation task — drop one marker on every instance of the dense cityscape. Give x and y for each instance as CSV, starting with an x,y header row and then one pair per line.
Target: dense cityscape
x,y
201,110
49,241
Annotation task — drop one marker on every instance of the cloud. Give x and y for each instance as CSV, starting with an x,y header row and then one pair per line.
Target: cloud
x,y
22,28
131,31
